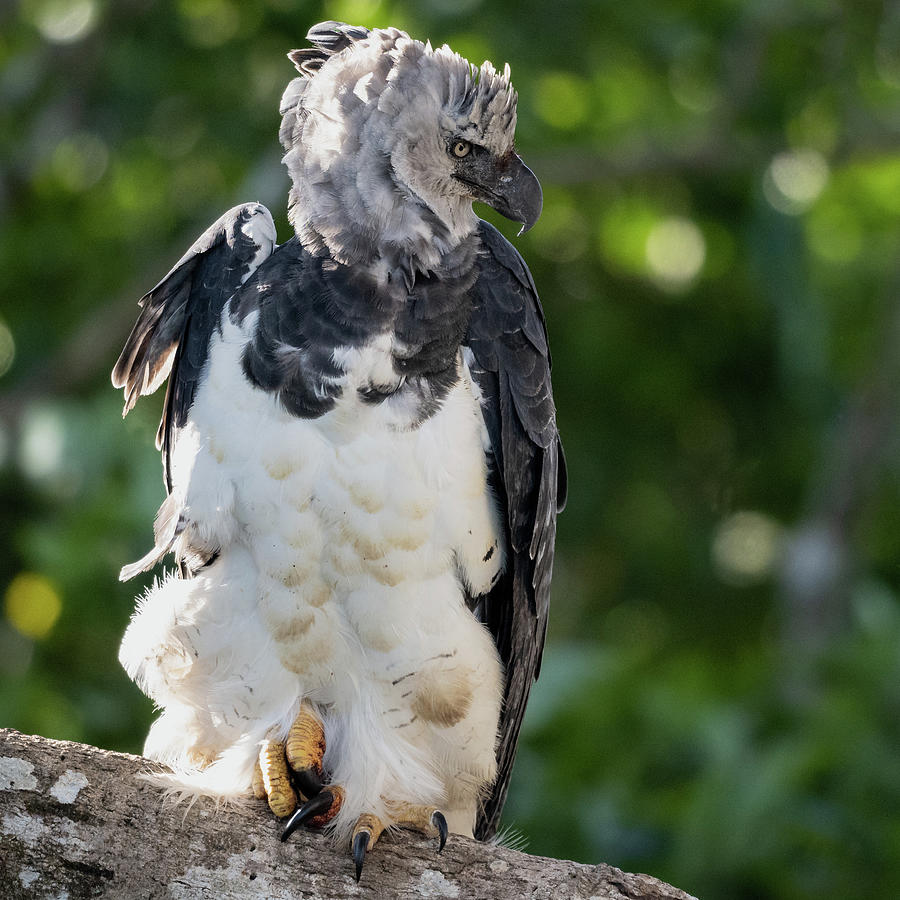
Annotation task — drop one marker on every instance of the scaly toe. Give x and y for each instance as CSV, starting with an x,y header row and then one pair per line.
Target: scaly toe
x,y
427,819
273,780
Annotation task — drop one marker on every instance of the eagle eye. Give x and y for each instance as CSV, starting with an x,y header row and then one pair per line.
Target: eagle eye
x,y
461,149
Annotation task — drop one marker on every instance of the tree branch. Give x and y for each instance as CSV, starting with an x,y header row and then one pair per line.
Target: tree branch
x,y
76,821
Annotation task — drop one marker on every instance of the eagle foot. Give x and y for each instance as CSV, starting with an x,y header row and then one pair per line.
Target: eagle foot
x,y
368,828
285,770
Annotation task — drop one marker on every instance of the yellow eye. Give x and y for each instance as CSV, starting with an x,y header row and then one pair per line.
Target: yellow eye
x,y
461,149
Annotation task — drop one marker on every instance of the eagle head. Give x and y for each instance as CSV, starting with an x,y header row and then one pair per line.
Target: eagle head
x,y
389,141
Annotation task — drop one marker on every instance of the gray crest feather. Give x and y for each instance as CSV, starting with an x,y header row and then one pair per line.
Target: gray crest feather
x,y
327,39
479,94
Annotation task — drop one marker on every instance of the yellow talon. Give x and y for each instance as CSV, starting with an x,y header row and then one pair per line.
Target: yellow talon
x,y
276,781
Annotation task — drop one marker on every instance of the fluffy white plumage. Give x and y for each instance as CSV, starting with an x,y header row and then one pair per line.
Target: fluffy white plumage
x,y
342,541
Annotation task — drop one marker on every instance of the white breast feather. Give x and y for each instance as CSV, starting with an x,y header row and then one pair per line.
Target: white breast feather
x,y
343,540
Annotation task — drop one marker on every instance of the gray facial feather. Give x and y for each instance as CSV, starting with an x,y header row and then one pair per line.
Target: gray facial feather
x,y
366,129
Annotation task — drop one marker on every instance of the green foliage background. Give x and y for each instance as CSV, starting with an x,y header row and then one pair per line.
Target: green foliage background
x,y
720,703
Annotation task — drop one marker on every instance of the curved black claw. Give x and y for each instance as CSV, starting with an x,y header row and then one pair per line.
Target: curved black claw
x,y
308,781
360,846
439,822
319,804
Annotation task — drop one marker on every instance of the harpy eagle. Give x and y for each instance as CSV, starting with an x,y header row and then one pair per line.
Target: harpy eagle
x,y
361,460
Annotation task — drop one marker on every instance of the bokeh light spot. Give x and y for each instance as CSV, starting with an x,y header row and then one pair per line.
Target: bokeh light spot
x,y
876,183
63,21
624,227
746,547
7,348
32,604
675,252
794,180
79,161
562,100
42,444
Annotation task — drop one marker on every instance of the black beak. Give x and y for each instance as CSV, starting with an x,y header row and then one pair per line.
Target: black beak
x,y
506,184
517,193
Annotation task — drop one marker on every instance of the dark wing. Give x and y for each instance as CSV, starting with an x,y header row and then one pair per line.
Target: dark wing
x,y
173,330
508,340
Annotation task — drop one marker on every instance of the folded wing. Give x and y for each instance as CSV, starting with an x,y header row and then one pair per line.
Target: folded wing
x,y
511,365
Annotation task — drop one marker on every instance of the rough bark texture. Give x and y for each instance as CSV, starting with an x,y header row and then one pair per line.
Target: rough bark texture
x,y
78,822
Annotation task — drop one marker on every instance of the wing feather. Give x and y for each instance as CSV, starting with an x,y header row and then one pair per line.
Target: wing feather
x,y
171,336
511,364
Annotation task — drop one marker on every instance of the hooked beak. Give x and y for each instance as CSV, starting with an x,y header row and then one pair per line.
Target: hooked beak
x,y
510,187
518,194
